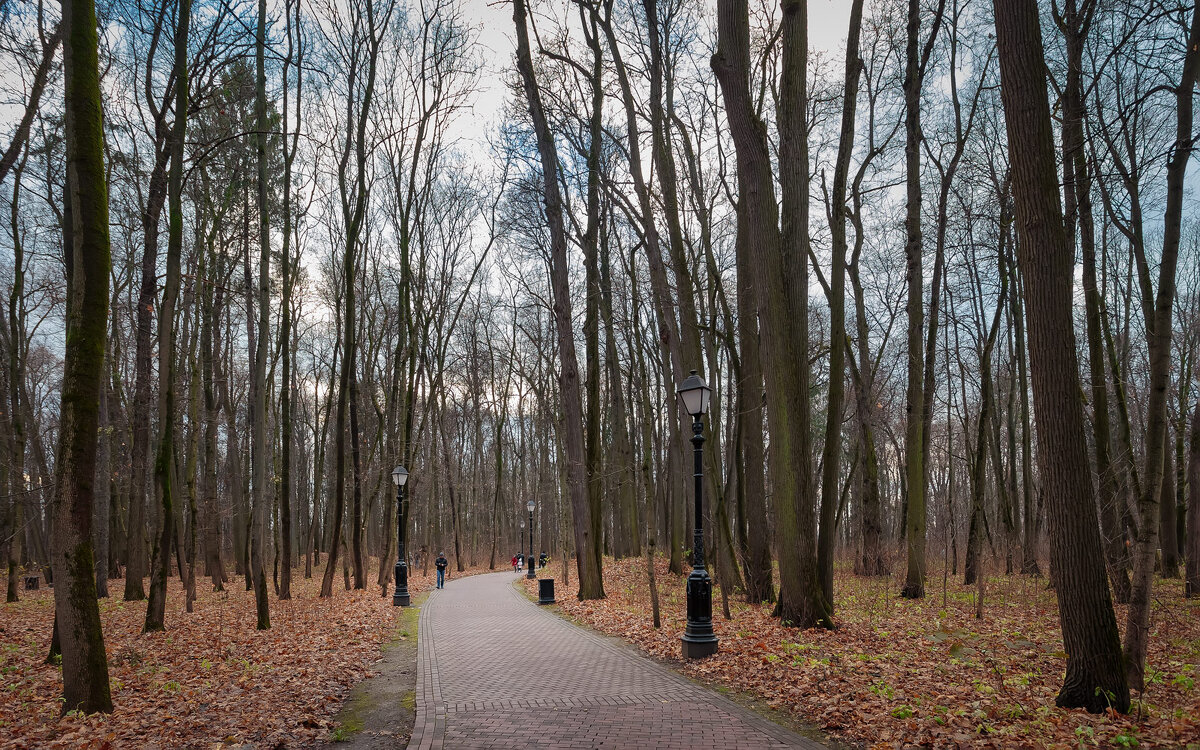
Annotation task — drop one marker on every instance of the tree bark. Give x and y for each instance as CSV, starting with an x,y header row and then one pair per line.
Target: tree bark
x,y
1077,192
1192,575
1137,622
1168,542
17,487
258,427
670,354
164,462
914,431
77,615
593,436
780,263
832,452
1095,677
760,585
591,582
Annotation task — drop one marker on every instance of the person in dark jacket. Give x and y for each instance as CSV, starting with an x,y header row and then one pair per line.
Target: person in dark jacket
x,y
542,558
441,563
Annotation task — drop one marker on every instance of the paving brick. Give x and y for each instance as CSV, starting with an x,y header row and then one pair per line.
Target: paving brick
x,y
496,671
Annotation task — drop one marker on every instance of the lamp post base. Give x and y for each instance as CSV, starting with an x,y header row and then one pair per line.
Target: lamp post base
x,y
698,639
699,649
401,597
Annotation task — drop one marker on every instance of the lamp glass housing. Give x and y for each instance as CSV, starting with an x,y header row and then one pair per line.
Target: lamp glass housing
x,y
695,394
399,476
531,505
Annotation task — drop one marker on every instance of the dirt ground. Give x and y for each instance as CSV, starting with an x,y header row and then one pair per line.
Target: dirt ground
x,y
380,710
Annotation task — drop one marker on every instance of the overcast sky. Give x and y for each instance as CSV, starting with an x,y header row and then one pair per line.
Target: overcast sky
x,y
827,31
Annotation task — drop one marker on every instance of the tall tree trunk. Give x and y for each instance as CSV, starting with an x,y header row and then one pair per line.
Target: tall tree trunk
x,y
1168,541
914,431
760,586
1029,511
593,436
1095,677
1192,554
136,563
356,507
780,263
831,459
258,426
192,465
591,582
1137,622
17,487
690,352
164,462
285,326
625,495
670,354
1077,193
986,398
76,613
210,502
102,500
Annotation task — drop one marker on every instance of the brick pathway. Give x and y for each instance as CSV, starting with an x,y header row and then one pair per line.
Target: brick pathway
x,y
496,671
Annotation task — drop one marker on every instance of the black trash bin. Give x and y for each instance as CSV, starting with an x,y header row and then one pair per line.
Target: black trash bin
x,y
545,591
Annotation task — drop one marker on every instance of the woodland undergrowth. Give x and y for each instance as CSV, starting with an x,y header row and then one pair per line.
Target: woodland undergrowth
x,y
211,679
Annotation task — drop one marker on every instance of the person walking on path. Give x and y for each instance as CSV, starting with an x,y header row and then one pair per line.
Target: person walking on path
x,y
441,563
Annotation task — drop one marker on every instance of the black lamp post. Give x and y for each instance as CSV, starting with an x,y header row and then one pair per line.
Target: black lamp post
x,y
529,560
400,598
698,639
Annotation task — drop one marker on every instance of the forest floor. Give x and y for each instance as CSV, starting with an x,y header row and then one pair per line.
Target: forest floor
x,y
211,679
897,673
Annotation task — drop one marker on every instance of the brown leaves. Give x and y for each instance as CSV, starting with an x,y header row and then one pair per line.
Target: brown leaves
x,y
898,672
210,680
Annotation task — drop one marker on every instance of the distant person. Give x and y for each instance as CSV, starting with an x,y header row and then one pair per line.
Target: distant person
x,y
542,558
514,563
441,563
520,561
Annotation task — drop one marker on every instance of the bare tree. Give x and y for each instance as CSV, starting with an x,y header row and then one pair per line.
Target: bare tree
x,y
1095,676
591,582
86,235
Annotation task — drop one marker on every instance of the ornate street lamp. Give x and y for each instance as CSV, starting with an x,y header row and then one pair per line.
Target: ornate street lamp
x,y
698,638
529,560
400,598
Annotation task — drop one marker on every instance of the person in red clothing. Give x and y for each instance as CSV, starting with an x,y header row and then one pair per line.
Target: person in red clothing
x,y
514,563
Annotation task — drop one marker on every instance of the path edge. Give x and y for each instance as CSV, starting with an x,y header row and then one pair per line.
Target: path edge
x,y
753,717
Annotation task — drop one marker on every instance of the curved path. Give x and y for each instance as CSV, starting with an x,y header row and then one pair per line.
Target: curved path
x,y
496,671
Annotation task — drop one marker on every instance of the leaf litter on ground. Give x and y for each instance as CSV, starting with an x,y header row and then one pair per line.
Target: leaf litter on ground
x,y
900,673
211,679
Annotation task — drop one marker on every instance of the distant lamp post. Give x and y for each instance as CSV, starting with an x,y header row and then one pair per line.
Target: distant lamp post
x,y
698,639
529,560
401,597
